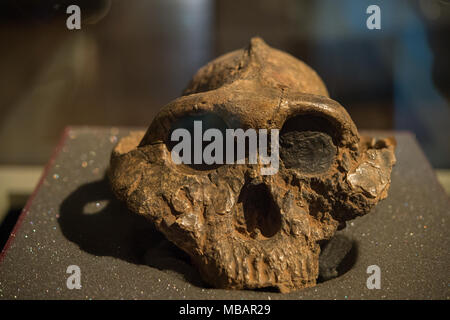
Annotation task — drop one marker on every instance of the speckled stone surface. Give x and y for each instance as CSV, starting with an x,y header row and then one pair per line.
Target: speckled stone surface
x,y
73,219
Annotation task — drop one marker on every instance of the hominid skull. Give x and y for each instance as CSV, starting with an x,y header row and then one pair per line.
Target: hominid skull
x,y
243,229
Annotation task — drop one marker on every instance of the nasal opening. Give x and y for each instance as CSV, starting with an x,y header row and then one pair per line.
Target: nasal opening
x,y
262,217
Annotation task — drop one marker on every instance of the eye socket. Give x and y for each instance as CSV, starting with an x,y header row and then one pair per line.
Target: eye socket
x,y
207,121
308,143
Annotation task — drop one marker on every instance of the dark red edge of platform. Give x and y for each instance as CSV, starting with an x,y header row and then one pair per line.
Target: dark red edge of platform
x,y
25,210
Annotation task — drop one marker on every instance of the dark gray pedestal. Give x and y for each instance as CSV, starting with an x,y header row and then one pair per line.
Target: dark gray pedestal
x,y
73,219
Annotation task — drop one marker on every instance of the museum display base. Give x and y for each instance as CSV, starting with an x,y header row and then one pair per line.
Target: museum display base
x,y
72,218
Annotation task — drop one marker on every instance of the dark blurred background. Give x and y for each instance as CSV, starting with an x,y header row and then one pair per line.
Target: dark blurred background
x,y
132,57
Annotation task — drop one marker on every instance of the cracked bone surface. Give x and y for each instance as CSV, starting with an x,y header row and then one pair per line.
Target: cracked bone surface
x,y
240,228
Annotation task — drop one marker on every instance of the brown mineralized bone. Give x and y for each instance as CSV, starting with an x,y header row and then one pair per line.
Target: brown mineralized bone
x,y
243,229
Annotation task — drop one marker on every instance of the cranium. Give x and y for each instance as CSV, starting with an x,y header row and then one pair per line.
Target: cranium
x,y
240,228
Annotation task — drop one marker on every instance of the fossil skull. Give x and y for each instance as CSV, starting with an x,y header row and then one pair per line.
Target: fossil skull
x,y
243,229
